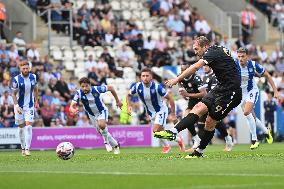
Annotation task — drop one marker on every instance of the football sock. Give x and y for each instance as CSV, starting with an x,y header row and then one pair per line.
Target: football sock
x,y
164,142
22,137
205,139
252,126
261,126
201,129
221,127
112,141
104,133
188,122
28,136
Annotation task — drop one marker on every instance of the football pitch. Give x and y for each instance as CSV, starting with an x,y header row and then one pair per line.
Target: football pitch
x,y
147,168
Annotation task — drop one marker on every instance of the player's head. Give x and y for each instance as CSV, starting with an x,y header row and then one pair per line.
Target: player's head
x,y
85,84
243,55
25,68
207,69
146,76
200,45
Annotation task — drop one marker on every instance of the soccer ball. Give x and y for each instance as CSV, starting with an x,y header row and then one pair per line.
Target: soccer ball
x,y
65,150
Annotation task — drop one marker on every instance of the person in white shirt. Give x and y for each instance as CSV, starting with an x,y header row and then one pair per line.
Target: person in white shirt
x,y
6,98
201,24
33,54
165,7
276,55
262,54
123,57
149,44
90,63
13,53
20,42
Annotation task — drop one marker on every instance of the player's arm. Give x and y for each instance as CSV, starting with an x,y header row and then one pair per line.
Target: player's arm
x,y
188,72
114,94
271,82
15,88
171,102
73,106
36,97
201,94
132,91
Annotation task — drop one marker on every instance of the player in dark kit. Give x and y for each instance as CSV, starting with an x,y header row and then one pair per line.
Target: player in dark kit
x,y
211,81
192,89
218,102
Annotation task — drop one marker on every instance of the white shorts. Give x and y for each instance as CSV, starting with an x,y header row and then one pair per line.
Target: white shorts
x,y
99,116
27,115
160,118
251,96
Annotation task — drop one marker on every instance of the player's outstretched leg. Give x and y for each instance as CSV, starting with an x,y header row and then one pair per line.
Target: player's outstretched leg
x,y
252,128
22,138
266,131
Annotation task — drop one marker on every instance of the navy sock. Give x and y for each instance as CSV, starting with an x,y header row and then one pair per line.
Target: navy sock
x,y
188,122
206,138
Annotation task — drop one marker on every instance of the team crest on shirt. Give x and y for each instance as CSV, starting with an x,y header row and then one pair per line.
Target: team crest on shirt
x,y
250,70
189,85
14,85
140,91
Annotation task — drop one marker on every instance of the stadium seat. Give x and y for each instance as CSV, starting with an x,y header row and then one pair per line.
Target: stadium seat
x,y
110,81
91,4
80,65
155,35
115,5
79,3
79,54
145,14
133,5
86,48
148,25
69,65
124,5
54,48
163,33
57,54
90,52
126,14
76,47
136,15
68,55
140,24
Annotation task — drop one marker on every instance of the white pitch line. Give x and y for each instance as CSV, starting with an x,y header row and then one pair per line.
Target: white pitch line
x,y
147,173
235,185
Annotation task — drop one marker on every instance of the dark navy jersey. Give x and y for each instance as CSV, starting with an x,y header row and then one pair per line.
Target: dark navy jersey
x,y
270,108
220,60
210,81
192,84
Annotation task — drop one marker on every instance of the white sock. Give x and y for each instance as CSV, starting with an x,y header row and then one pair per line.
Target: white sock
x,y
164,142
105,135
22,137
112,141
28,136
261,126
200,150
196,137
252,126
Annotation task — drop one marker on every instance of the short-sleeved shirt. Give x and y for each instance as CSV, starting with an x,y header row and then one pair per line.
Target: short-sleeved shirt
x,y
192,84
223,65
92,101
150,96
25,89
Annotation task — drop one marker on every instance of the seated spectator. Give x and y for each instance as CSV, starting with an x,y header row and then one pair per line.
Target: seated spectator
x,y
6,99
8,112
226,43
263,54
42,85
48,96
47,112
56,101
20,43
277,54
83,122
165,7
175,26
105,23
185,14
123,57
62,87
51,84
201,26
90,63
72,86
240,42
4,86
33,54
149,43
94,77
161,44
13,54
4,56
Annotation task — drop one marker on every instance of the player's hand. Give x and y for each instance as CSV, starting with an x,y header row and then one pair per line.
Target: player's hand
x,y
183,93
119,104
171,82
19,109
129,110
277,95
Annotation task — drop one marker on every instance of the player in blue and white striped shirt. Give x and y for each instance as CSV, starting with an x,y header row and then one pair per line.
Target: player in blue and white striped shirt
x,y
248,69
90,97
25,97
151,94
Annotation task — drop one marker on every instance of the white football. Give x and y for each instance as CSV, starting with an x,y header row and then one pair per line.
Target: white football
x,y
65,150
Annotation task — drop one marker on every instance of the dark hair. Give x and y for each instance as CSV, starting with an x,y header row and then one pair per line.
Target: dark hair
x,y
146,70
242,50
202,41
84,80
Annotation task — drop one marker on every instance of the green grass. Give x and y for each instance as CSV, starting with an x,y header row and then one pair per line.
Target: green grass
x,y
147,168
